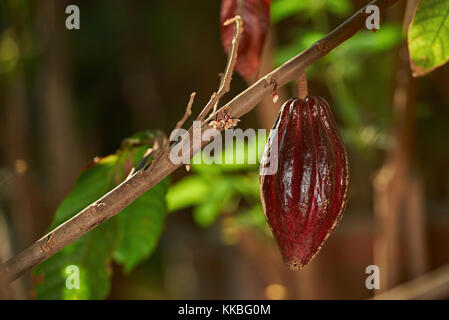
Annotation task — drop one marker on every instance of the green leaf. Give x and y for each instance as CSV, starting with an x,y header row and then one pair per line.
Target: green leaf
x,y
367,43
216,202
141,225
428,36
187,192
247,185
301,43
129,237
142,222
93,182
238,155
282,9
340,8
91,253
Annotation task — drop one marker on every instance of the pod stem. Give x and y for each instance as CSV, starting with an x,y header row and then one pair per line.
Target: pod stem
x,y
303,91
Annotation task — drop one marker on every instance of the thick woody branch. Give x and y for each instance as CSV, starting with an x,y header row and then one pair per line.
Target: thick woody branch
x,y
128,191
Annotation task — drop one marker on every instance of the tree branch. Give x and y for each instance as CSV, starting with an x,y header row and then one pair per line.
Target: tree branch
x,y
432,285
128,191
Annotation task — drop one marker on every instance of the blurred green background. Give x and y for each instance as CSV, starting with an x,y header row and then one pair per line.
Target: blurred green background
x,y
67,96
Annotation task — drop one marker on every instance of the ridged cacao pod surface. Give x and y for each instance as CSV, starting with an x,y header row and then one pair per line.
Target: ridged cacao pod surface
x,y
305,198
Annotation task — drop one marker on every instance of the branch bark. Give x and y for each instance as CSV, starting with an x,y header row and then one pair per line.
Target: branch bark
x,y
432,285
128,191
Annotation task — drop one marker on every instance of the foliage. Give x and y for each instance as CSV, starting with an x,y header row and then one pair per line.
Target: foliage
x,y
129,237
348,83
215,189
308,8
428,36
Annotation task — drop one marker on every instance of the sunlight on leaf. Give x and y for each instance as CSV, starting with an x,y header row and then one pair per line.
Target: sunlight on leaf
x,y
92,252
129,237
142,222
428,36
282,9
187,192
210,208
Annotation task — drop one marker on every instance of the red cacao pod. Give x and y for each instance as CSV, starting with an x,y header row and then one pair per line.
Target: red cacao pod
x,y
305,198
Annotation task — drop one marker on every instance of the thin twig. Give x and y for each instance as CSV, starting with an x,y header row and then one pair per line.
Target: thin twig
x,y
124,194
227,76
178,126
188,111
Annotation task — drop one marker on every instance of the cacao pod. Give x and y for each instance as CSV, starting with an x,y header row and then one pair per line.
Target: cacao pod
x,y
305,198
